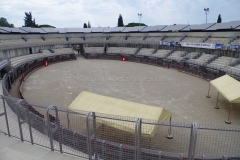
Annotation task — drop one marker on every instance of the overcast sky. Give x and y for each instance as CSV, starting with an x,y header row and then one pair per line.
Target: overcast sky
x,y
104,13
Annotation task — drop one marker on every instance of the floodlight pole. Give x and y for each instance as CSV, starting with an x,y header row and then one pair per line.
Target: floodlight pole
x,y
140,17
206,12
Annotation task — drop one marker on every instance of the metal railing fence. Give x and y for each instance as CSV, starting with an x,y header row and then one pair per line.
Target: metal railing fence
x,y
84,134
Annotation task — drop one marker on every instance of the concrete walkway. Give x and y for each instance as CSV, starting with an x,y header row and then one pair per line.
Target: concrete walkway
x,y
13,149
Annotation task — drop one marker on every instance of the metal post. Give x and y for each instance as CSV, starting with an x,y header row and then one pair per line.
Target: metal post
x,y
216,107
169,136
193,140
29,124
50,128
89,148
136,138
5,113
208,96
19,122
229,115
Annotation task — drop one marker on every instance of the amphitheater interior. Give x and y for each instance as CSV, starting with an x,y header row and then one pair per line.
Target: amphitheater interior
x,y
190,49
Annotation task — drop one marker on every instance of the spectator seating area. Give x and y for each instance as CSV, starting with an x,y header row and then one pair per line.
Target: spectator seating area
x,y
193,39
236,41
94,50
202,60
176,55
11,41
121,50
175,39
116,38
63,50
218,40
144,52
19,60
153,39
35,40
134,38
95,38
55,39
192,55
222,62
161,54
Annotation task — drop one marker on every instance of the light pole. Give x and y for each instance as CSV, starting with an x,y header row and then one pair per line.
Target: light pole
x,y
139,16
207,11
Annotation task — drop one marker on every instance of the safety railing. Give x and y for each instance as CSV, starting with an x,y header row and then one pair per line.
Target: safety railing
x,y
85,134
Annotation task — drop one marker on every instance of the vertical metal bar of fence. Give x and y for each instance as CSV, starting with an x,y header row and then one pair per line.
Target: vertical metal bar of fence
x,y
29,124
138,131
89,147
50,128
5,113
195,140
19,120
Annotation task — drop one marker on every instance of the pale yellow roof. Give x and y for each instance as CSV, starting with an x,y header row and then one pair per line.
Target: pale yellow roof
x,y
101,104
228,87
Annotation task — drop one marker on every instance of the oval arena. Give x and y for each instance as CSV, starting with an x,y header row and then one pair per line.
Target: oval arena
x,y
44,70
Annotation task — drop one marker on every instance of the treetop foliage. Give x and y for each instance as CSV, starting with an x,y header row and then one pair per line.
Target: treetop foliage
x,y
135,24
28,20
4,23
219,20
120,21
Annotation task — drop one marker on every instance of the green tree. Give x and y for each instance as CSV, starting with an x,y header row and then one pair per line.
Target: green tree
x,y
46,26
28,20
135,24
219,20
85,25
120,21
4,23
89,25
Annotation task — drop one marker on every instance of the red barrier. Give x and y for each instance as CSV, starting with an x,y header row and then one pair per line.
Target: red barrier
x,y
178,68
46,63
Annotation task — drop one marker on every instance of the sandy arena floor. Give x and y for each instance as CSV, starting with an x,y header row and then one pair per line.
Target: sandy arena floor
x,y
182,94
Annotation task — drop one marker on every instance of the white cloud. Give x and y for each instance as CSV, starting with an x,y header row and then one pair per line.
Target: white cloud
x,y
74,13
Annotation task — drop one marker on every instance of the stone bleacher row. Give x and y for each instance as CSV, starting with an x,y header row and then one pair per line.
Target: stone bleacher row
x,y
222,40
15,61
227,64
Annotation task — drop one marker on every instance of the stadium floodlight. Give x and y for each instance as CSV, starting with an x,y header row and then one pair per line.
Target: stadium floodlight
x,y
207,11
140,17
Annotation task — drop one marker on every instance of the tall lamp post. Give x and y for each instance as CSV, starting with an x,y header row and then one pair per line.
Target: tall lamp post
x,y
207,11
140,17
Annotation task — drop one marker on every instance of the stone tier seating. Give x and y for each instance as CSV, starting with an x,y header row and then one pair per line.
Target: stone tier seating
x,y
153,39
55,39
203,59
134,38
63,50
18,60
222,62
11,41
192,55
34,40
94,50
116,38
95,38
144,52
177,55
218,40
170,39
193,39
160,54
121,50
236,41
